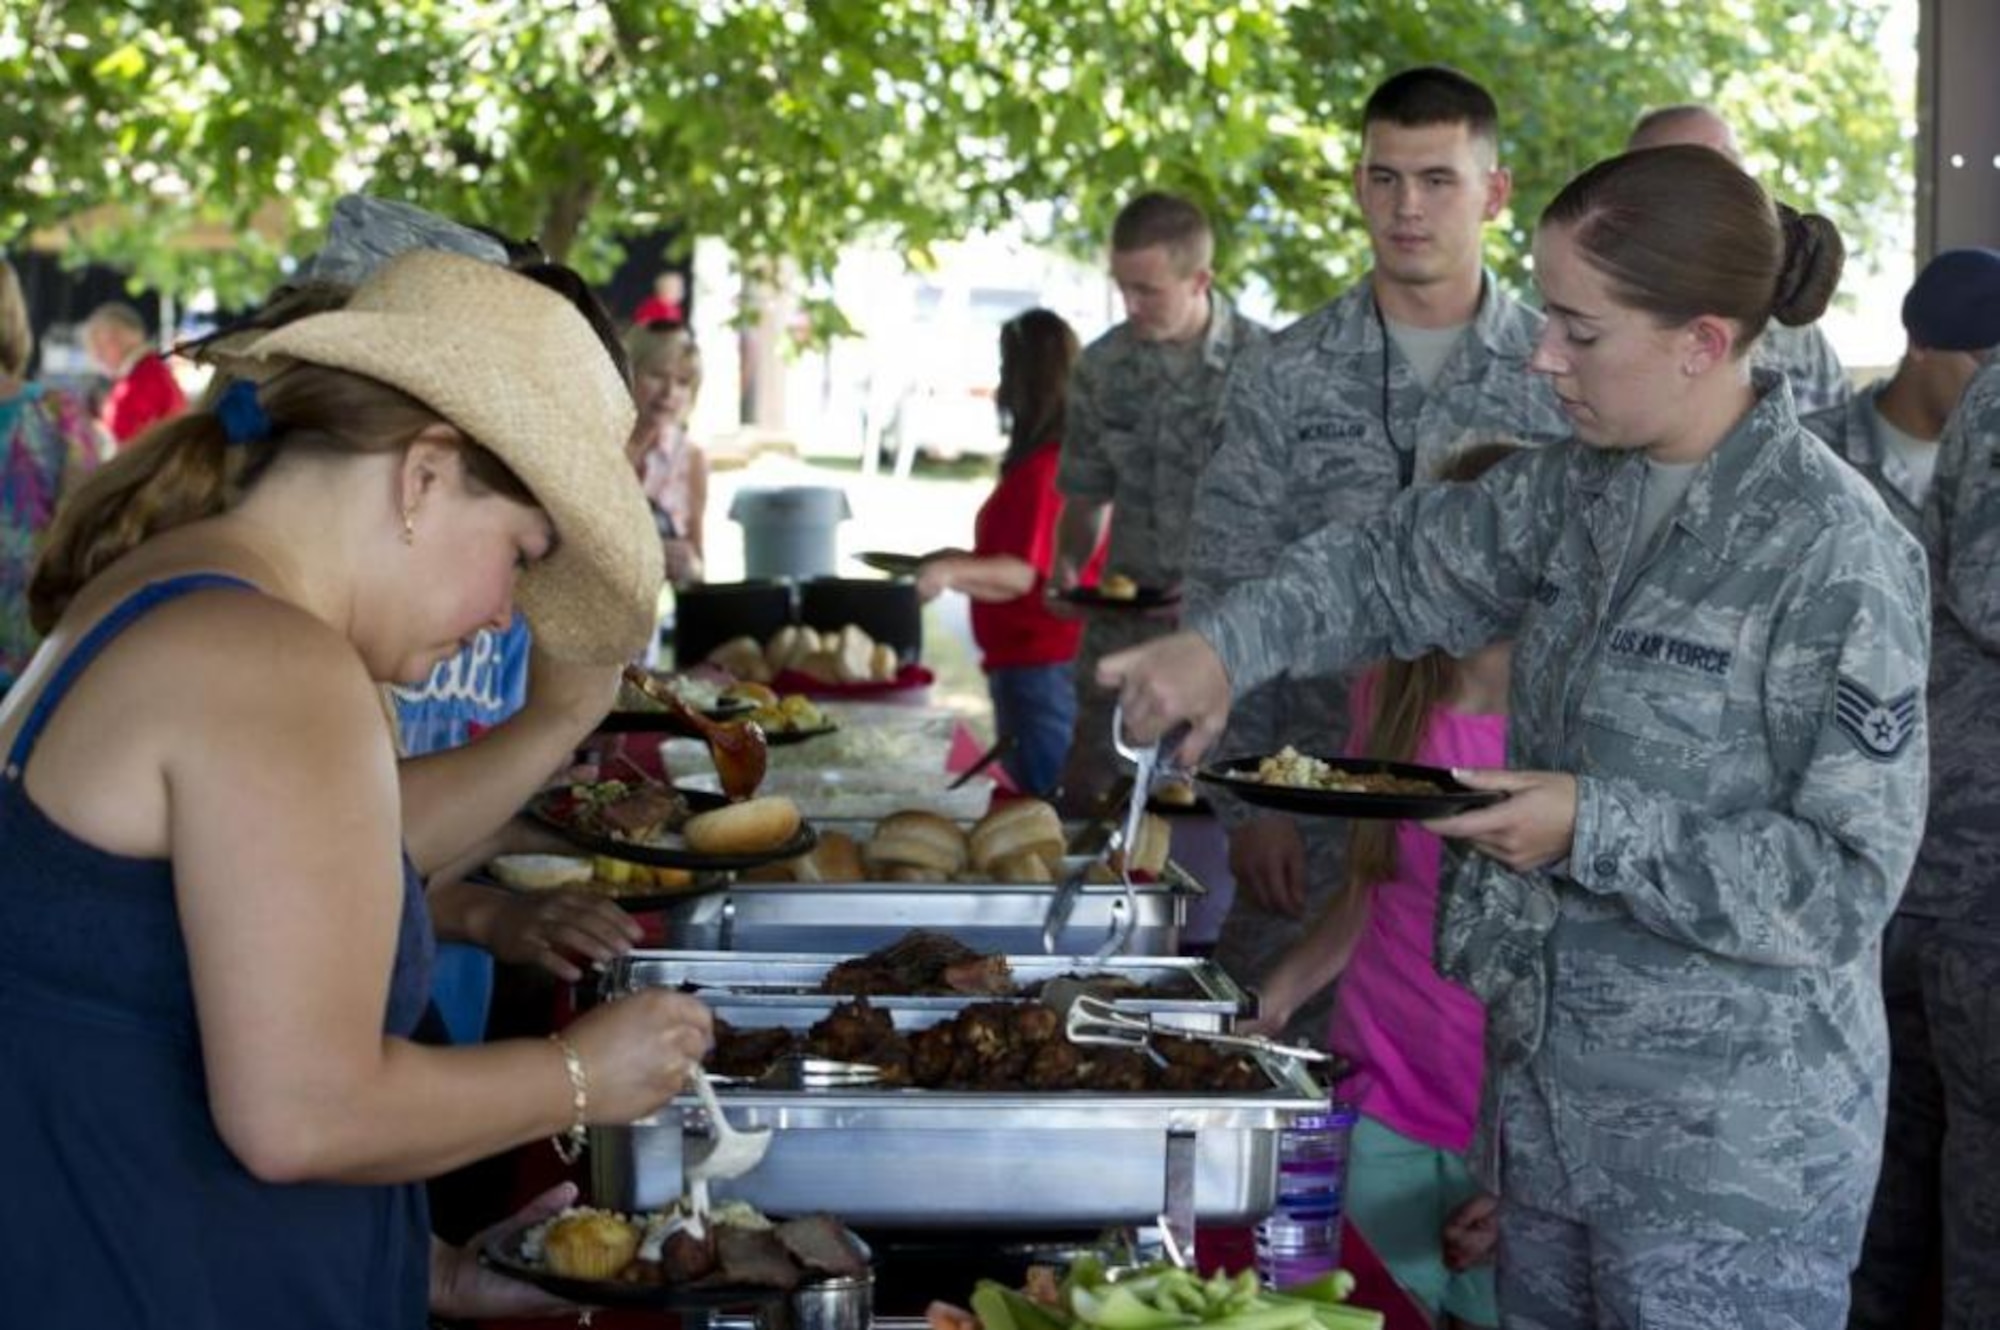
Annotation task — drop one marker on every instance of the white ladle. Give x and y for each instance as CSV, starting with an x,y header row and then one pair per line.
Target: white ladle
x,y
729,1153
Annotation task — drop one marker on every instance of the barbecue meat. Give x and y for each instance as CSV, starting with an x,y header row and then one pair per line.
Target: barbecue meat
x,y
822,1243
852,1032
644,815
931,1054
1055,1066
1120,1070
920,964
685,1258
746,1053
987,976
754,1257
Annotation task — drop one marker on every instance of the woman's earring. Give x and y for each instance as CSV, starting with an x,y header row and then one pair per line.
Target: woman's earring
x,y
409,528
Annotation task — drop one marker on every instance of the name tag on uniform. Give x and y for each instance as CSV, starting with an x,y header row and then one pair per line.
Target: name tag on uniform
x,y
1330,431
1642,644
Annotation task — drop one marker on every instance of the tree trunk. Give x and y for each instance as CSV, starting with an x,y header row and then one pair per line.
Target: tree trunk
x,y
563,219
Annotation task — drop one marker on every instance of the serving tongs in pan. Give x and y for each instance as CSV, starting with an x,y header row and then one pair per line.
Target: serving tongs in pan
x,y
1092,1020
803,1071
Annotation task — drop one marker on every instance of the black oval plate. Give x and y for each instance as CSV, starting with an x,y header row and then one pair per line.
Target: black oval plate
x,y
1145,598
896,565
504,1255
666,722
544,808
780,738
1239,777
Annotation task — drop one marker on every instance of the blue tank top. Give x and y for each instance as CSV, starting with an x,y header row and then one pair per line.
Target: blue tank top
x,y
124,1207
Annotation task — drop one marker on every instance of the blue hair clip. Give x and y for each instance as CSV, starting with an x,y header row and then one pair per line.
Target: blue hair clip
x,y
242,415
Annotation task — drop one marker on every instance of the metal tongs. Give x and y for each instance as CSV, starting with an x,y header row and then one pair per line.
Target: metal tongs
x,y
803,1071
1092,1020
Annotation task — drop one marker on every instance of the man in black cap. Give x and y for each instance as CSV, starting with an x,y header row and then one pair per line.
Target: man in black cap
x,y
1890,430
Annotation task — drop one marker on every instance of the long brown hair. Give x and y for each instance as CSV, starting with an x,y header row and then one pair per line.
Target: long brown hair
x,y
1406,692
186,469
1037,351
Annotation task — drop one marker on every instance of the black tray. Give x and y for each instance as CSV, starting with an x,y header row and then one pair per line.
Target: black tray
x,y
1145,598
540,808
504,1255
1239,777
666,722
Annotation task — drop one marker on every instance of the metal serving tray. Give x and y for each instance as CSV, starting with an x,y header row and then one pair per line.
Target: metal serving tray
x,y
755,990
941,1158
850,918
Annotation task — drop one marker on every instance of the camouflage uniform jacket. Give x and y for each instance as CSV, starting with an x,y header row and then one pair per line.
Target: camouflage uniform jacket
x,y
1852,429
1684,1028
1304,444
1808,362
1141,424
1958,869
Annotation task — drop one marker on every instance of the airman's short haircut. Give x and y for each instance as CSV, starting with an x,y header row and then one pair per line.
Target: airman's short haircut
x,y
1167,220
1434,95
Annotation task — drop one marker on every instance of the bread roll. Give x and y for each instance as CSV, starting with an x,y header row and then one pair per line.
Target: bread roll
x,y
823,666
905,873
1022,868
854,652
541,872
1177,793
916,839
782,649
1017,827
835,859
745,828
1117,586
883,665
742,657
1149,853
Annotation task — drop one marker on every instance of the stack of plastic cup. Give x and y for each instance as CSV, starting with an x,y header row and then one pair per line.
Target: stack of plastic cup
x,y
1300,1241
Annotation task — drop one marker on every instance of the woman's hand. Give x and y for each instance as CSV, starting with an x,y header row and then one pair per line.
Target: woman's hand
x,y
548,928
1178,678
1531,828
462,1288
637,1051
934,576
1472,1233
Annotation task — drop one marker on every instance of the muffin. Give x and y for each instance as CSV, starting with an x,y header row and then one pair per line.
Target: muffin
x,y
590,1244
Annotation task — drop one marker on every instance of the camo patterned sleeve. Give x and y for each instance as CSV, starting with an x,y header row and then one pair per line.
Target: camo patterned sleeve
x,y
1812,879
1962,520
1084,471
1448,567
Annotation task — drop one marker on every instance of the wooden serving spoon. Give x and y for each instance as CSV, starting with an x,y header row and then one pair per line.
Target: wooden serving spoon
x,y
737,747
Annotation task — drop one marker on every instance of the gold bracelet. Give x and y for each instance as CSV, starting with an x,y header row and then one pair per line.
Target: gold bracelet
x,y
569,1145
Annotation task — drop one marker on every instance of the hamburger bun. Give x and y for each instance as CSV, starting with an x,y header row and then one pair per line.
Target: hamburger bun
x,y
1014,828
745,828
853,653
835,859
783,648
882,663
1117,586
916,839
1028,867
1175,793
742,657
541,872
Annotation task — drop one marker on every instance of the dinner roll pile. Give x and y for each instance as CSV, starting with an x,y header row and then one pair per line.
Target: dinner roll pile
x,y
846,656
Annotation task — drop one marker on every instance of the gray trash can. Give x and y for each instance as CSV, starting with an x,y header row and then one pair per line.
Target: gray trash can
x,y
790,532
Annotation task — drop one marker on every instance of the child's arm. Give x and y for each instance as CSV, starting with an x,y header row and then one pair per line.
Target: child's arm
x,y
1314,961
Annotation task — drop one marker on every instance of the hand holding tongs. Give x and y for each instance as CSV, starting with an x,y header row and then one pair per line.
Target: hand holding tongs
x,y
1092,1020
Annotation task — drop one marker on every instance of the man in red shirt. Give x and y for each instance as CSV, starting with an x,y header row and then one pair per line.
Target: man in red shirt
x,y
143,390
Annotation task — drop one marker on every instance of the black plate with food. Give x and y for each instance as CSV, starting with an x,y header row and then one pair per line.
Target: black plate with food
x,y
505,1256
651,835
779,738
657,721
896,565
1142,598
1401,790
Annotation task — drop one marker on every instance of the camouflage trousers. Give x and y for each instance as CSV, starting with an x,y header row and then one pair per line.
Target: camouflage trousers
x,y
1555,1274
1939,1195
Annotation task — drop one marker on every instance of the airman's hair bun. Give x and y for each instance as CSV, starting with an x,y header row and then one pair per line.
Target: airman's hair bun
x,y
1814,256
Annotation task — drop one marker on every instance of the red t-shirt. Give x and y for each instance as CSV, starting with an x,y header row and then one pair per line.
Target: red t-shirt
x,y
1019,518
143,397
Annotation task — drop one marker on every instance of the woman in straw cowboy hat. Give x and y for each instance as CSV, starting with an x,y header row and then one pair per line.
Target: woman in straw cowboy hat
x,y
211,944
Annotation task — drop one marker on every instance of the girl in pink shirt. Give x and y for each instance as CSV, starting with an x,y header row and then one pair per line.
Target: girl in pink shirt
x,y
1414,1038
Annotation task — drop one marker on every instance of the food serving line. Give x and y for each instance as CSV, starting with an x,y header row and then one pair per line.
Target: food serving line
x,y
999,1166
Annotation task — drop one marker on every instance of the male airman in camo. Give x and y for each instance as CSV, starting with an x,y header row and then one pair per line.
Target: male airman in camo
x,y
1336,415
1141,424
1940,1187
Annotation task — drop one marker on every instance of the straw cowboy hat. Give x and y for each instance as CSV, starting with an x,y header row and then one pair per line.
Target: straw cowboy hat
x,y
516,369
